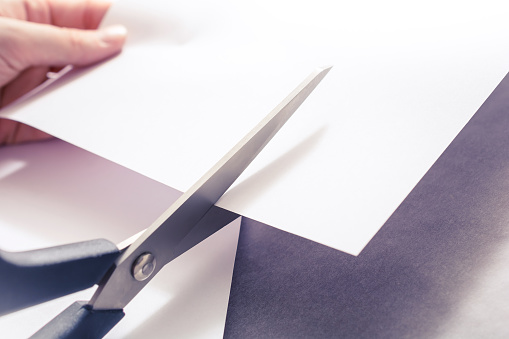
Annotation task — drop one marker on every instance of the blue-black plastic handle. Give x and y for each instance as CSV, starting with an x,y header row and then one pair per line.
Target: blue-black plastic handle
x,y
80,321
32,277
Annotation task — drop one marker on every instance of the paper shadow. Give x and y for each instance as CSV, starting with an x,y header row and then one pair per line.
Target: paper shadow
x,y
59,183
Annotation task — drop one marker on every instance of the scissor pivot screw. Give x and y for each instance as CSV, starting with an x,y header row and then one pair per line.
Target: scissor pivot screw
x,y
144,266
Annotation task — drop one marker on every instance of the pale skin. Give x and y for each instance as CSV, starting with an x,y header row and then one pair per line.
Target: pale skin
x,y
37,36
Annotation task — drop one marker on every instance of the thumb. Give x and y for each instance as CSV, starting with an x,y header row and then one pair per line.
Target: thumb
x,y
57,46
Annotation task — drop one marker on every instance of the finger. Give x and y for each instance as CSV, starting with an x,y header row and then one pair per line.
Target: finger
x,y
38,45
82,14
23,83
13,132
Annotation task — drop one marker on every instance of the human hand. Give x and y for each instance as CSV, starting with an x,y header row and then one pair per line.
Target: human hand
x,y
38,35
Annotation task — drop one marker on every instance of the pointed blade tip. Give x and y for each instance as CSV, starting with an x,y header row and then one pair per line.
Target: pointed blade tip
x,y
325,69
322,71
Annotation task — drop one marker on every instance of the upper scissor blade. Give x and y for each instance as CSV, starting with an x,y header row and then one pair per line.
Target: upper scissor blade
x,y
174,224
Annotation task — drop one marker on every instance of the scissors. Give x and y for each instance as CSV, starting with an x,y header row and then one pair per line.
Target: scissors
x,y
122,271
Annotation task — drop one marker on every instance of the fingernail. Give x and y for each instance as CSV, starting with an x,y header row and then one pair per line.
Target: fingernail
x,y
113,34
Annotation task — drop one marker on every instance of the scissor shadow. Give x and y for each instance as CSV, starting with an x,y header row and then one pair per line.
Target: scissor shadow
x,y
248,190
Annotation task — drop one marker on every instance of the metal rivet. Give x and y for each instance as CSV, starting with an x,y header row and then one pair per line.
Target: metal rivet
x,y
143,266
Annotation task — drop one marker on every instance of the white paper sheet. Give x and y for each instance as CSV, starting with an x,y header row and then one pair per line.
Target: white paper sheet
x,y
53,193
196,75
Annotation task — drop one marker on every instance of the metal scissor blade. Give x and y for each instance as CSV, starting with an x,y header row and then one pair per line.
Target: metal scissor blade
x,y
155,247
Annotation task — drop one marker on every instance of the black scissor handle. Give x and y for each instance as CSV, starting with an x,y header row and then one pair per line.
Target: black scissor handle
x,y
79,321
32,277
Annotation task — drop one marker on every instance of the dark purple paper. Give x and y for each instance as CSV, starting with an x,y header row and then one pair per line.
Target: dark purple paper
x,y
418,275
